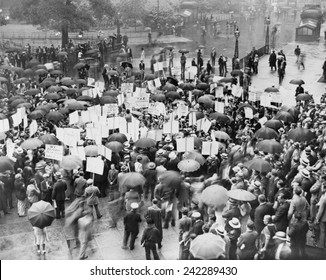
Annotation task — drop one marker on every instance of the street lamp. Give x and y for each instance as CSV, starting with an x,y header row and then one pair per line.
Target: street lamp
x,y
118,29
236,49
267,22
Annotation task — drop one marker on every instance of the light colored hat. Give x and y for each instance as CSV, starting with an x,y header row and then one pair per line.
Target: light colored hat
x,y
19,150
58,175
172,155
134,205
220,230
280,235
167,139
18,176
160,152
257,184
89,181
196,215
304,161
40,165
151,165
305,173
46,175
235,223
124,168
224,155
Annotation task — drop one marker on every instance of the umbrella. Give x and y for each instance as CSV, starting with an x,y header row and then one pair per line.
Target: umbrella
x,y
197,92
199,115
80,81
125,64
270,146
214,195
147,29
69,82
32,92
41,72
37,114
55,116
91,151
76,105
202,86
303,97
300,135
54,89
26,105
145,143
64,111
236,72
113,73
297,82
44,108
274,124
259,164
226,80
62,53
28,72
271,89
3,79
71,162
52,105
170,179
52,96
284,116
71,91
266,133
17,102
158,97
49,139
57,72
114,146
107,100
93,51
246,105
219,117
113,93
132,179
41,214
84,98
206,99
188,165
183,51
79,65
120,137
149,77
241,195
173,95
6,164
207,246
31,144
195,156
187,86
172,81
221,135
201,47
169,87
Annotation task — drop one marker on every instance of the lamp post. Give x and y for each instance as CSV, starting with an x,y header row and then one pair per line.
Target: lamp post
x,y
118,29
267,22
236,49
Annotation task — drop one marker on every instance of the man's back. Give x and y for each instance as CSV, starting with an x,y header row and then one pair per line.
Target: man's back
x,y
131,221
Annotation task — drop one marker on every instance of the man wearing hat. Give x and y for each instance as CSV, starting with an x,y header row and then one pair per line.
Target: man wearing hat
x,y
154,212
281,250
58,195
131,224
231,210
80,185
150,175
220,231
130,166
233,228
310,155
197,226
247,243
264,208
46,188
184,223
160,158
298,204
151,236
113,181
92,194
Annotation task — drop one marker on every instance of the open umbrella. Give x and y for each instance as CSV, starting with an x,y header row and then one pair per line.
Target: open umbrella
x,y
91,151
31,144
77,105
271,89
132,179
49,139
159,97
149,77
183,51
172,81
28,72
266,133
219,117
197,92
125,64
173,95
69,82
84,98
274,124
80,81
3,79
26,105
270,146
225,80
52,96
32,92
241,195
41,72
188,165
44,108
207,100
54,89
171,179
120,137
195,156
108,100
246,105
303,97
207,246
236,72
145,143
259,165
214,195
284,116
221,135
187,86
41,214
37,114
114,146
199,115
92,51
79,65
301,134
6,164
202,86
297,82
17,102
169,87
71,162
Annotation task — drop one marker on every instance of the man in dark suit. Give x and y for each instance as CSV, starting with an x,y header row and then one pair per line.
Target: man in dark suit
x,y
154,213
281,215
46,189
131,222
59,196
184,223
263,209
197,227
247,243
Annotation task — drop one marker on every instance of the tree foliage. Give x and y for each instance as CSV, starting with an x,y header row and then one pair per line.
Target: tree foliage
x,y
102,8
131,10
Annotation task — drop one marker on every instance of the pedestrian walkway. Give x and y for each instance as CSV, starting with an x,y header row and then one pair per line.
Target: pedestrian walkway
x,y
17,240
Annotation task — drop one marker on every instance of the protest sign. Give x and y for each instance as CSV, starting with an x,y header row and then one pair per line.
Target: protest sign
x,y
54,152
94,165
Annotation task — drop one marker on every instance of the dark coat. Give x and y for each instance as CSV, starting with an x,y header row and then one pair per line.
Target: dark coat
x,y
281,217
197,227
131,222
260,212
59,189
46,193
247,245
154,213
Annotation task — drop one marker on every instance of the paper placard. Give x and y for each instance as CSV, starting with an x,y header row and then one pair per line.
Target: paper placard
x,y
183,110
191,72
121,99
33,127
192,118
152,109
249,114
127,88
209,148
142,101
10,147
78,151
219,107
16,119
186,144
85,117
252,97
139,91
112,109
73,118
49,66
53,152
219,92
25,122
95,165
71,136
157,82
105,152
156,134
204,125
94,133
171,127
90,81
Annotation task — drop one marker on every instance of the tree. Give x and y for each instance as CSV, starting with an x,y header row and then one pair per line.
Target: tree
x,y
131,10
102,8
61,15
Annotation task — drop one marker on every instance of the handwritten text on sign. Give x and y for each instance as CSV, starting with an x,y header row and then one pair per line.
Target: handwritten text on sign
x,y
54,152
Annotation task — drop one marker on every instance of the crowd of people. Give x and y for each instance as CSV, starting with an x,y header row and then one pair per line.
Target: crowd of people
x,y
274,154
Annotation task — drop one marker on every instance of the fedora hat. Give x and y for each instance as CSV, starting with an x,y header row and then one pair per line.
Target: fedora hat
x,y
134,205
151,165
220,230
224,155
305,173
39,166
58,175
19,150
280,235
124,168
196,215
235,223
